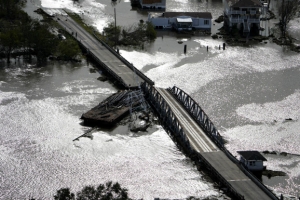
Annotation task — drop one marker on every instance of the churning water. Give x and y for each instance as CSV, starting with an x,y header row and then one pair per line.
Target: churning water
x,y
40,110
248,92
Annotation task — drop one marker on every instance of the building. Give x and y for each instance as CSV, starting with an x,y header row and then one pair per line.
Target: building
x,y
150,4
252,160
244,14
181,21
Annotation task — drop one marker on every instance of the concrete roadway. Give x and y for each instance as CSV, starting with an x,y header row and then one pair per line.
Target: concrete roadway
x,y
198,139
129,78
217,159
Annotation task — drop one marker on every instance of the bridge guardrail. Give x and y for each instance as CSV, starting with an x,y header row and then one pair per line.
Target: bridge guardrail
x,y
202,119
165,113
221,178
199,115
118,78
251,176
131,66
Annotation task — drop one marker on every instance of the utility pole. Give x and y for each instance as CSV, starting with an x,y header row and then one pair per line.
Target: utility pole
x,y
115,27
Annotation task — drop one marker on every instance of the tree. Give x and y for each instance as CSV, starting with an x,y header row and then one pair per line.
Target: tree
x,y
9,40
9,9
108,191
64,194
287,10
112,33
68,49
43,42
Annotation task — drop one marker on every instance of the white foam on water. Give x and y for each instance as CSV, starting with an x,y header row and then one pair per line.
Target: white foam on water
x,y
294,28
90,10
274,133
38,155
44,157
142,59
272,116
273,111
216,65
84,87
10,96
291,166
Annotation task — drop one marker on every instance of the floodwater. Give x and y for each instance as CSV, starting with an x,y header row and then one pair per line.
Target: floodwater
x,y
248,92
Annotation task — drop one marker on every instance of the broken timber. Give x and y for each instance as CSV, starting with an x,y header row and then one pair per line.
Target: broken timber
x,y
112,109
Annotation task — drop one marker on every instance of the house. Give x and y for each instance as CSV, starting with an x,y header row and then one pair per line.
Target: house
x,y
181,21
252,160
150,4
244,14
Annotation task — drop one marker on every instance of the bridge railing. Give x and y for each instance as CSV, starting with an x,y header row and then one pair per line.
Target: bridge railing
x,y
103,65
251,176
202,119
169,119
128,64
199,115
221,179
165,113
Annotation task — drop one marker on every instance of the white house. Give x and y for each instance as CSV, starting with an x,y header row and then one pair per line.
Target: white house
x,y
252,160
245,14
152,4
181,20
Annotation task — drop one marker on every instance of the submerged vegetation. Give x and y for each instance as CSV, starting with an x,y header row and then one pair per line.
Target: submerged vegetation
x,y
21,35
134,35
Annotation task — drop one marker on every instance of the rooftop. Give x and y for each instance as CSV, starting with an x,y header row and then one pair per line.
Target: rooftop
x,y
252,155
206,15
244,3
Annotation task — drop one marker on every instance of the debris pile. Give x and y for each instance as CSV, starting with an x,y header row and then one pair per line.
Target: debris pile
x,y
114,108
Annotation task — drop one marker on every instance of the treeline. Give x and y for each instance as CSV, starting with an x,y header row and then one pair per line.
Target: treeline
x,y
22,35
107,191
133,35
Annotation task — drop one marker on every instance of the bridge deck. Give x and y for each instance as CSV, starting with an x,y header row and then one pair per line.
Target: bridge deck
x,y
210,152
230,171
198,139
127,75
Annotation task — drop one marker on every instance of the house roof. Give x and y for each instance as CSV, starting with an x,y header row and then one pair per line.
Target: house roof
x,y
244,3
151,1
252,155
206,15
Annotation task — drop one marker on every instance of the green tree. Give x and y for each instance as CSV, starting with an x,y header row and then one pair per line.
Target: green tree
x,y
107,191
43,42
9,40
68,49
64,194
112,33
150,31
9,9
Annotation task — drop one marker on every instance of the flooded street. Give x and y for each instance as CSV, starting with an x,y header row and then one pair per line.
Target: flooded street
x,y
248,93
